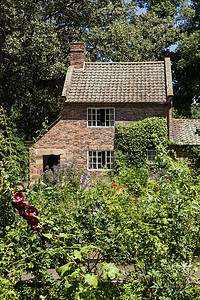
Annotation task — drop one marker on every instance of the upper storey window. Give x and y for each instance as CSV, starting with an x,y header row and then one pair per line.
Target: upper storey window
x,y
98,117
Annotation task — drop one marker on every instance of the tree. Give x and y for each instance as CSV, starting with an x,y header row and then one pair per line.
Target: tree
x,y
130,37
35,38
187,61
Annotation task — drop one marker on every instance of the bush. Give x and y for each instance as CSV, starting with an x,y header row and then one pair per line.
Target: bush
x,y
114,239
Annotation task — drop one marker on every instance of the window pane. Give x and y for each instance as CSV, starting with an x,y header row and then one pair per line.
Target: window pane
x,y
100,159
151,155
101,117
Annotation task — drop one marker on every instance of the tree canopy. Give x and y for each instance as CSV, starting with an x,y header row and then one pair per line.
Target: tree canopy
x,y
187,60
35,38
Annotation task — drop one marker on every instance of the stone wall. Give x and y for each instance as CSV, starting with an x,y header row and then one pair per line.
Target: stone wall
x,y
71,138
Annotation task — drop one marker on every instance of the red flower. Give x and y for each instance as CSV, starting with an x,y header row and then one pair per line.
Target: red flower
x,y
32,211
22,213
117,188
115,184
19,204
32,221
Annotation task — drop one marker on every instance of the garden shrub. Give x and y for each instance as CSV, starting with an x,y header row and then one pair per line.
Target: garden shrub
x,y
92,232
194,160
12,170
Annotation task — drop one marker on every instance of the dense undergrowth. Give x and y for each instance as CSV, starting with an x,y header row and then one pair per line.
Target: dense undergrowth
x,y
133,234
107,238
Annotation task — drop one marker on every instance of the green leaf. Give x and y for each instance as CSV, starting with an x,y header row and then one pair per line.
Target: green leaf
x,y
47,235
64,235
91,279
61,270
110,271
77,254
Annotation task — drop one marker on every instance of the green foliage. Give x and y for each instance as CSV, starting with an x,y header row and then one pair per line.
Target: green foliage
x,y
131,149
187,59
130,237
129,37
117,239
34,43
162,8
13,172
194,160
7,290
35,38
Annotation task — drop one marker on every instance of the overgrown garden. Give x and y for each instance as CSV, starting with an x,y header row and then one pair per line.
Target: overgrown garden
x,y
129,234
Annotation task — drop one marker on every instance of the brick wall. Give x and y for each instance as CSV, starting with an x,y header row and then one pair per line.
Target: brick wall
x,y
71,138
77,54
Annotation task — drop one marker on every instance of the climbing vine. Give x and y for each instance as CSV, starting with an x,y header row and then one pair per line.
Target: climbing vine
x,y
132,142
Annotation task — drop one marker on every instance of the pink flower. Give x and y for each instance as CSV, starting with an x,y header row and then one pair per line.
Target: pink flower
x,y
36,228
32,211
19,195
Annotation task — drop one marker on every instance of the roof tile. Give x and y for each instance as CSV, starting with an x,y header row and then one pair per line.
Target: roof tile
x,y
118,82
186,131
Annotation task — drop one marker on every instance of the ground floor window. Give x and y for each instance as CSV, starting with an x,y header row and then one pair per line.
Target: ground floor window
x,y
151,155
50,160
98,160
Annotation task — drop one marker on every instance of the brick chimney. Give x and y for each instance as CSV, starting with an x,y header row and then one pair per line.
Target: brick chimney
x,y
77,54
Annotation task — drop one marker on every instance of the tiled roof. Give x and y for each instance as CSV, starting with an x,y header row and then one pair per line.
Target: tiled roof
x,y
186,131
117,82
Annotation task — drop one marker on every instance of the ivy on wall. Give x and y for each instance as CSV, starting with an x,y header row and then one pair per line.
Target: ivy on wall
x,y
194,160
132,142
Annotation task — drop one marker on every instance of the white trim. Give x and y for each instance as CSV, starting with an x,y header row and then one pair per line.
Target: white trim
x,y
96,156
96,108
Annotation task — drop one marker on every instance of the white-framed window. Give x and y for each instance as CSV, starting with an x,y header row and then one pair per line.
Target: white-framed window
x,y
98,160
151,155
97,117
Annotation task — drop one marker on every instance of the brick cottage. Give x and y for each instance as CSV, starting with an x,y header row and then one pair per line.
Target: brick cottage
x,y
96,98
